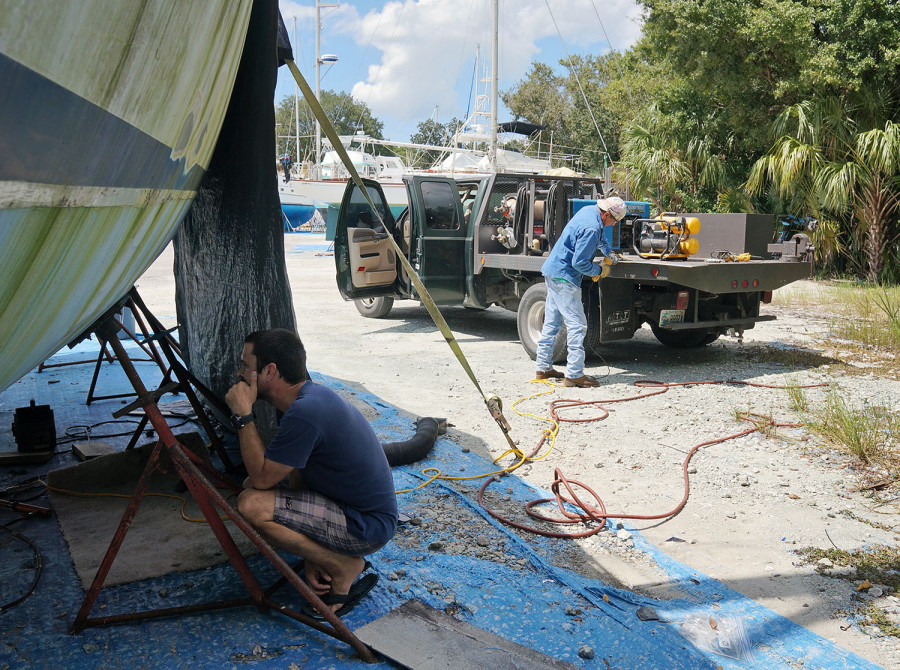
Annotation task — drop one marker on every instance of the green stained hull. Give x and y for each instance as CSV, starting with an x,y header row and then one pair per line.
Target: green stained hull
x,y
114,112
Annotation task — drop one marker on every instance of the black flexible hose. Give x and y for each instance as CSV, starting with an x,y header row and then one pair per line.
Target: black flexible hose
x,y
417,447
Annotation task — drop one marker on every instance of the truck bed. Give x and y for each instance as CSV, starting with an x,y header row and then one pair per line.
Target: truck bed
x,y
711,277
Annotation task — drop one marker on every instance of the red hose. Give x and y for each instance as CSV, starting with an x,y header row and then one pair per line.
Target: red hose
x,y
597,512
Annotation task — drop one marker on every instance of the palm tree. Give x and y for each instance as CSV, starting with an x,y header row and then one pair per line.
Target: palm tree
x,y
662,157
834,156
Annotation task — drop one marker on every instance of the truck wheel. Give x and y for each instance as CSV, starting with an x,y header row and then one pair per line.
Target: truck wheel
x,y
530,322
680,339
374,308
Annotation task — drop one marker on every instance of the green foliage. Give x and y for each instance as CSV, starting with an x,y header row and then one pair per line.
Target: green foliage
x,y
674,164
839,156
798,100
346,115
617,87
857,45
430,132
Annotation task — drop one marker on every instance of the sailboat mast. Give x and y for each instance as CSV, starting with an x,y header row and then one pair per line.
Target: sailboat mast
x,y
316,174
296,102
495,11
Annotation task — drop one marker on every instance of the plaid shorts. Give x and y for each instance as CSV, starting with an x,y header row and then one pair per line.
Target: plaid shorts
x,y
320,519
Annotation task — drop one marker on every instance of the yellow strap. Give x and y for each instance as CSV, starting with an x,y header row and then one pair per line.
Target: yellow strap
x,y
493,403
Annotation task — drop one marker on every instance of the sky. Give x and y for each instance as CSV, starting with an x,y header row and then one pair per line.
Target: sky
x,y
410,60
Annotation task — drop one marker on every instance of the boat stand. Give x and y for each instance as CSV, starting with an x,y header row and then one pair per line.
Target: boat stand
x,y
146,344
198,477
183,382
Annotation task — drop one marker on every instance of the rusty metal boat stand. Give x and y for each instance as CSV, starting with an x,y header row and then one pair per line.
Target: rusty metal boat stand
x,y
199,477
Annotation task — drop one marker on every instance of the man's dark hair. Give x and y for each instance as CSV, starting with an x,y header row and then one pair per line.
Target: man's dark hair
x,y
283,348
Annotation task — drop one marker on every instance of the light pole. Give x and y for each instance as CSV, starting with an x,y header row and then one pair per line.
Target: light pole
x,y
319,60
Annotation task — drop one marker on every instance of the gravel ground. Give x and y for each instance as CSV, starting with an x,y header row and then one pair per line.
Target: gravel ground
x,y
753,500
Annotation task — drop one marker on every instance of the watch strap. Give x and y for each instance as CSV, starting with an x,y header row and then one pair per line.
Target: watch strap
x,y
240,421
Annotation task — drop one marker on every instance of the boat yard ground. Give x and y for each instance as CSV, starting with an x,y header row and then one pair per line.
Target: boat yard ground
x,y
729,559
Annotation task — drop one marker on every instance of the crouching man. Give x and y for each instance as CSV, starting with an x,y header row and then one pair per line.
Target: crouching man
x,y
340,503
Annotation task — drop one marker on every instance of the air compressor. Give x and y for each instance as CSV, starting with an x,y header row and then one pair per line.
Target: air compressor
x,y
667,237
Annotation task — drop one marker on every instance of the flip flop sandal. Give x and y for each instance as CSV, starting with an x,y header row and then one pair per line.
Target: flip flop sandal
x,y
359,590
300,568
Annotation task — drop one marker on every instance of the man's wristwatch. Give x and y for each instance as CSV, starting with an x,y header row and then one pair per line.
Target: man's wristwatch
x,y
239,422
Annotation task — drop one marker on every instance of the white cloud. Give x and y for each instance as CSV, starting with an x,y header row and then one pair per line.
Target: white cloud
x,y
428,46
420,53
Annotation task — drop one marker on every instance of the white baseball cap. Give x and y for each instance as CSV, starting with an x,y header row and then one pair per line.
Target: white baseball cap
x,y
615,206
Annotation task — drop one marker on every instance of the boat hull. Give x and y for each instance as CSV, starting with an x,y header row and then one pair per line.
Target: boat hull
x,y
111,115
327,194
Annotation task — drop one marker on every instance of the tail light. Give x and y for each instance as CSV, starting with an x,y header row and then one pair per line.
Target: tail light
x,y
681,302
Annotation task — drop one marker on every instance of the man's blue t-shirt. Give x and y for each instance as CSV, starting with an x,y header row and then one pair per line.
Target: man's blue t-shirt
x,y
340,457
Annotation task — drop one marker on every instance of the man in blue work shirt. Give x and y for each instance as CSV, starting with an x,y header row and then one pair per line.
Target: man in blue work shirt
x,y
571,259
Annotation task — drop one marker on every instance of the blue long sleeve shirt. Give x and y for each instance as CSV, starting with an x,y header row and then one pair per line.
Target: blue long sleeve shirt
x,y
573,254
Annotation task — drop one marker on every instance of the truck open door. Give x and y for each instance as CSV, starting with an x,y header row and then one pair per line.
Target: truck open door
x,y
438,240
367,265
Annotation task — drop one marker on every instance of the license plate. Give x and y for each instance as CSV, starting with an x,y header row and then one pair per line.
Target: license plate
x,y
668,316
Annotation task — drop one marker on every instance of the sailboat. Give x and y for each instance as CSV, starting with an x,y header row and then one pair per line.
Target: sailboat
x,y
320,186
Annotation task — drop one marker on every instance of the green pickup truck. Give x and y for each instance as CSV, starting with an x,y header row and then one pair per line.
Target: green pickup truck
x,y
480,241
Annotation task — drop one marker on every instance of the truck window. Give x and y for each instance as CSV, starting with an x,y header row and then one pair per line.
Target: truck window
x,y
440,201
360,214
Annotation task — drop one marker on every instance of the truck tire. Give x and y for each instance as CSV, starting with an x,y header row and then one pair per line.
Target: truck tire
x,y
374,308
530,321
682,339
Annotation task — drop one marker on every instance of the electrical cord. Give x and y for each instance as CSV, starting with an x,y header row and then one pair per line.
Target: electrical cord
x,y
433,474
86,430
182,500
38,563
13,496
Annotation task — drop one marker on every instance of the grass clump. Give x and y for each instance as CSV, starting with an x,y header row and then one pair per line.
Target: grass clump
x,y
880,564
869,614
797,397
870,315
869,433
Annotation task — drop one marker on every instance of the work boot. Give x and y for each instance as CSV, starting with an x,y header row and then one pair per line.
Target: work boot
x,y
581,382
548,374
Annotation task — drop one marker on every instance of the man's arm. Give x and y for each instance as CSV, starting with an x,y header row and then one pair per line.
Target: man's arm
x,y
263,473
584,252
604,245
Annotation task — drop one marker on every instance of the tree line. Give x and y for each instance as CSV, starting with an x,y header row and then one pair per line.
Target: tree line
x,y
787,107
778,106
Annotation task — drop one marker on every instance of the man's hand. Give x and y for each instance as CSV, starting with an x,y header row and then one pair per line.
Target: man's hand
x,y
241,396
318,580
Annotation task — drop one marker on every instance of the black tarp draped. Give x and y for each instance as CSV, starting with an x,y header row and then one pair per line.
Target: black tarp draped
x,y
230,274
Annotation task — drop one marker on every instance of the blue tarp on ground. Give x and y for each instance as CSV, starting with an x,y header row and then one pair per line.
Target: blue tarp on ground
x,y
524,597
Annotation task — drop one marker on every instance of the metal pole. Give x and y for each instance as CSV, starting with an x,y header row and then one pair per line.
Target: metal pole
x,y
296,100
316,174
495,23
